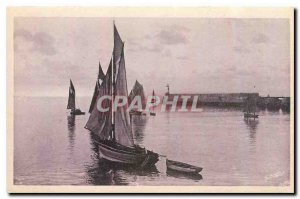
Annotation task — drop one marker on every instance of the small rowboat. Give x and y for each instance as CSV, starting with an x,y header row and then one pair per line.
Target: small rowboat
x,y
182,167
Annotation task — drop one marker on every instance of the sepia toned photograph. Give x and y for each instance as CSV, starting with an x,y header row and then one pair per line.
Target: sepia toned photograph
x,y
150,100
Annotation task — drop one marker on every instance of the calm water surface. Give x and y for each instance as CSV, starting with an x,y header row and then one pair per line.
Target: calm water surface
x,y
52,148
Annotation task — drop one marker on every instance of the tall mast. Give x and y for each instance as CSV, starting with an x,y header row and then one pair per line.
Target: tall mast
x,y
113,99
113,90
114,69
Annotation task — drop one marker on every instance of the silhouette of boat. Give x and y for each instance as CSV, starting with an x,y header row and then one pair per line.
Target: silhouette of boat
x,y
113,127
71,101
250,107
182,167
152,113
100,77
137,90
250,115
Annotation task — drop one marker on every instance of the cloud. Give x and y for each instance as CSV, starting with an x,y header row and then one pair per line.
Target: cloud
x,y
150,49
170,37
132,42
260,38
179,28
148,36
232,69
167,53
40,42
241,49
182,57
145,48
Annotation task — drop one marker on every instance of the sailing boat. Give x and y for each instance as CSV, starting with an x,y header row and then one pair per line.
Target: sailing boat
x,y
71,101
250,107
113,128
152,113
137,90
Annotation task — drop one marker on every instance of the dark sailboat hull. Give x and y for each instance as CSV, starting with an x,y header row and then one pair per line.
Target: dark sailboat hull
x,y
250,115
77,112
127,156
152,114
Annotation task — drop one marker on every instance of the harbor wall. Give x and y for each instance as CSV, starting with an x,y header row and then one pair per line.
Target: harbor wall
x,y
236,100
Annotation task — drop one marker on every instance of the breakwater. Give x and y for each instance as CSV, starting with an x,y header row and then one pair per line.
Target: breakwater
x,y
234,100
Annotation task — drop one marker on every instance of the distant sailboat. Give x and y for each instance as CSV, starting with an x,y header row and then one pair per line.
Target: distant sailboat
x,y
250,107
137,90
71,101
152,113
113,128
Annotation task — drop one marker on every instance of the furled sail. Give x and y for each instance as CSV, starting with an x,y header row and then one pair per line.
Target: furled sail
x,y
138,90
71,100
122,133
100,122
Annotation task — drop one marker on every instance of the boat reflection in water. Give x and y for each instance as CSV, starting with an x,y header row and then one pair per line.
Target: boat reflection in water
x,y
192,176
138,127
71,130
104,172
252,126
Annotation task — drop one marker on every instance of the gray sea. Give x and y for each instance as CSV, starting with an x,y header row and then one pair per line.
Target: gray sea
x,y
52,148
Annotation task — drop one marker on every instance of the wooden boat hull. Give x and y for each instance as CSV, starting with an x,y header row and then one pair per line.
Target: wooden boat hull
x,y
141,158
182,167
77,112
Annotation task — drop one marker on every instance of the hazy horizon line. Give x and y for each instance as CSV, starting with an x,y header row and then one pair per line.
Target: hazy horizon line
x,y
186,94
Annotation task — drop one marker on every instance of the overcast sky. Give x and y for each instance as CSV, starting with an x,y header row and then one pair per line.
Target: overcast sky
x,y
192,55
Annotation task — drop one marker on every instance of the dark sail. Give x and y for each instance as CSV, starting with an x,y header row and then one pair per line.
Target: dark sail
x,y
114,125
138,90
123,132
250,104
95,95
71,100
114,84
118,46
101,75
100,122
